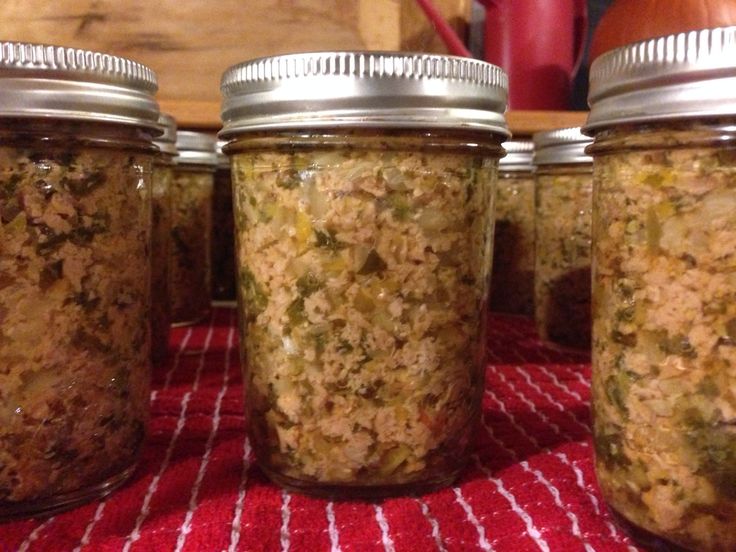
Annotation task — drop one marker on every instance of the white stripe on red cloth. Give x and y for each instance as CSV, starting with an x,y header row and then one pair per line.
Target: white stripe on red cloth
x,y
186,526
388,543
470,515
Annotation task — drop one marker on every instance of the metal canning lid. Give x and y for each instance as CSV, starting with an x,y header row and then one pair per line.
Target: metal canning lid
x,y
44,81
195,148
518,158
363,90
167,141
223,161
562,146
685,75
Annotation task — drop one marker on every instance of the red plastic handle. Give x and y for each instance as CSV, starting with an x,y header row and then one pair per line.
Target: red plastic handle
x,y
581,32
443,29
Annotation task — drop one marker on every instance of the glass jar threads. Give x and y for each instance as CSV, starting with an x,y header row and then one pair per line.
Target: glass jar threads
x,y
163,172
512,286
75,198
664,319
363,189
563,237
191,227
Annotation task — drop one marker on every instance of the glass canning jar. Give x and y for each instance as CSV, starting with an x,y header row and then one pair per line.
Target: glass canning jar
x,y
512,289
191,227
364,233
564,197
223,236
76,160
664,318
163,174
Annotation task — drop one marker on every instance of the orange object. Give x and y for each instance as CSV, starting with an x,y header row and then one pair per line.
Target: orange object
x,y
629,21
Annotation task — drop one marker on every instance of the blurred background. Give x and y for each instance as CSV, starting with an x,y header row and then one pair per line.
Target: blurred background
x,y
544,45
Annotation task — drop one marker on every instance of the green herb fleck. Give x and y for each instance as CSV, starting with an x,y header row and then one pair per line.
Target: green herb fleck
x,y
256,299
307,284
295,312
289,179
678,345
327,240
609,447
373,263
84,184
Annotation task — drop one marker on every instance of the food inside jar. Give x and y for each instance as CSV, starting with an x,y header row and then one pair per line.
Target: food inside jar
x,y
160,260
74,299
364,280
563,242
223,238
513,253
664,380
191,228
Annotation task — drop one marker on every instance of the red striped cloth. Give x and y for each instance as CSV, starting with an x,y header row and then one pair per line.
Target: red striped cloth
x,y
529,487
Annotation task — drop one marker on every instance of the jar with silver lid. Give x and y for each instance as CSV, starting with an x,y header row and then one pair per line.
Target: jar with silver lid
x,y
512,286
223,237
191,227
663,113
363,188
163,173
563,237
75,215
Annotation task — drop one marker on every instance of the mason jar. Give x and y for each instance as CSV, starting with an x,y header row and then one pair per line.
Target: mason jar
x,y
512,289
563,237
76,160
363,189
163,172
664,318
191,227
223,236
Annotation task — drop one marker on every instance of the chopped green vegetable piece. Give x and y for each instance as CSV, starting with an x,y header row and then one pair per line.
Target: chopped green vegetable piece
x,y
295,311
373,263
327,240
308,283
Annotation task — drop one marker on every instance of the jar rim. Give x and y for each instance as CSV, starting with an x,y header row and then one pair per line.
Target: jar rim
x,y
678,76
362,90
562,146
56,82
195,148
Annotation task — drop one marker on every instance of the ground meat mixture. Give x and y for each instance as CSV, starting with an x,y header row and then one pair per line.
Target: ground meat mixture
x,y
74,318
161,260
563,241
364,280
223,238
513,252
191,228
664,354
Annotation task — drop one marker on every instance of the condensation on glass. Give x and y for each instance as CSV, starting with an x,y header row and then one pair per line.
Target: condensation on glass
x,y
75,200
364,253
664,321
